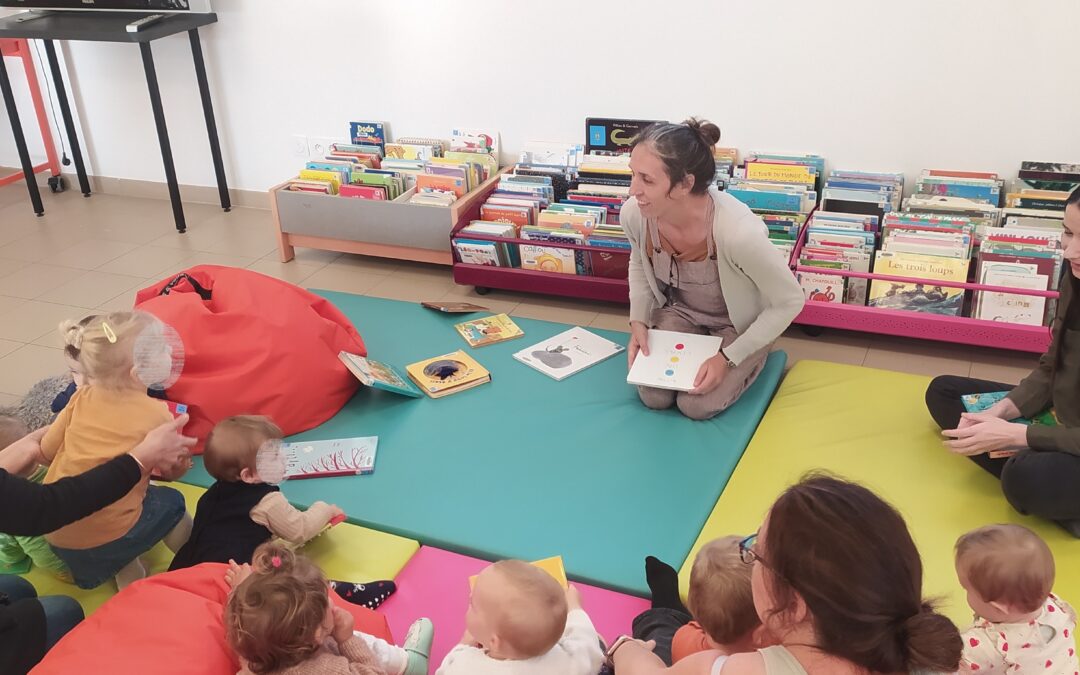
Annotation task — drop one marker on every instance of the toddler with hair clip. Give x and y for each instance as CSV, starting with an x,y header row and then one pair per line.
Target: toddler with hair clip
x,y
279,619
107,416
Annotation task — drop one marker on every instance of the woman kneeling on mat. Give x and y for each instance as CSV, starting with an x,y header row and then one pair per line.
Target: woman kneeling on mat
x,y
700,262
1041,473
837,583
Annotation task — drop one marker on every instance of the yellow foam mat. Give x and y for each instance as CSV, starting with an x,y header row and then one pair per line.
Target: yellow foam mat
x,y
872,426
347,552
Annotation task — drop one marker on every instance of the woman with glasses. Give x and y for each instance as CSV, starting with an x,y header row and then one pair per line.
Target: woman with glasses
x,y
700,262
837,581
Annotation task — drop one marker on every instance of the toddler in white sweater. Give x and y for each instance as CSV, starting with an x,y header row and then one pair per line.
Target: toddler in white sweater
x,y
520,622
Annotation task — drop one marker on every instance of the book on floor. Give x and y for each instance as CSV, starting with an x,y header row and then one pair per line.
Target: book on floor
x,y
674,359
454,307
378,375
569,352
335,457
448,374
975,403
489,330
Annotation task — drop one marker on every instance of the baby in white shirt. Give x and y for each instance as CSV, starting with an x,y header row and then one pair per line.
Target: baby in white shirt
x,y
1020,626
521,621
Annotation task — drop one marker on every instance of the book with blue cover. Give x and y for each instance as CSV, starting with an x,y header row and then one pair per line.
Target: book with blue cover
x,y
378,375
976,403
368,133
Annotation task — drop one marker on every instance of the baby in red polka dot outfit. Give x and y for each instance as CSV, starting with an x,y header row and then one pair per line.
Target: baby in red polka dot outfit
x,y
1020,626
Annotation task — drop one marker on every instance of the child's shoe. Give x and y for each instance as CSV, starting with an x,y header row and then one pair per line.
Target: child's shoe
x,y
418,645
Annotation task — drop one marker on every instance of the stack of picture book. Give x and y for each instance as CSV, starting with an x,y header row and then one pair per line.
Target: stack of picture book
x,y
726,161
863,192
837,241
971,194
782,189
1027,262
426,171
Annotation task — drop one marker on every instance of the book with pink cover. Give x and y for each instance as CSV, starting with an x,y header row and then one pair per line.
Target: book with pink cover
x,y
334,457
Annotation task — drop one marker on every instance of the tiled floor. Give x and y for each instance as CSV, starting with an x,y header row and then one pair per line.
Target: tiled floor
x,y
94,254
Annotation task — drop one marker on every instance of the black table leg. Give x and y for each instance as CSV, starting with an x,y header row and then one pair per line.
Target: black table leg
x,y
20,140
65,112
163,136
211,124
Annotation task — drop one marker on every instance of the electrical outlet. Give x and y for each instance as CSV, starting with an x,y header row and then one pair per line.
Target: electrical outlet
x,y
300,146
319,147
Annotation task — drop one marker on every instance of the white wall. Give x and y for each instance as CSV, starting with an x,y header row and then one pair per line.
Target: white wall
x,y
966,84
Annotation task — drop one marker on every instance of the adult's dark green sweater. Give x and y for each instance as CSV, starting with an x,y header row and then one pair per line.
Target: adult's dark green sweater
x,y
1056,381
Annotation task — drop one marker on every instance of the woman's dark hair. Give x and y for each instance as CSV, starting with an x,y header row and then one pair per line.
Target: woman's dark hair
x,y
1074,197
686,150
850,557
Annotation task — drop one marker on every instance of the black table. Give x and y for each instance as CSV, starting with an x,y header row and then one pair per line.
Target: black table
x,y
112,27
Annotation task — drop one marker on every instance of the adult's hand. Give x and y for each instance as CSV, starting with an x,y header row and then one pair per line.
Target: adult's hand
x,y
165,446
983,432
23,455
639,341
710,375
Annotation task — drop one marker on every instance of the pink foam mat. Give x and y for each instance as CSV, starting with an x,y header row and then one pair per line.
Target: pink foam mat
x,y
435,584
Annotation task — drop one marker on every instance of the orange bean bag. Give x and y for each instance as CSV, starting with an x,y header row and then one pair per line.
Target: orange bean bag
x,y
254,345
167,624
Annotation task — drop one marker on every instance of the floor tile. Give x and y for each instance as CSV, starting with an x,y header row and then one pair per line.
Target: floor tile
x,y
410,288
836,346
343,279
1002,366
918,356
202,258
27,365
576,312
34,320
612,320
146,261
93,288
37,279
91,254
312,256
293,272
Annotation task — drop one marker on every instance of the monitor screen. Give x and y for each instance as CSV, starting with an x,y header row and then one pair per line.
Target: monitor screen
x,y
113,5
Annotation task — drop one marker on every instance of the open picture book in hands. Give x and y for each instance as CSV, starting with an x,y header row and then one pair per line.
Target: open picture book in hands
x,y
674,359
335,457
568,352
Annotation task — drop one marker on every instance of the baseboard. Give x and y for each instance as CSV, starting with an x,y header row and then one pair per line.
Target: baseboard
x,y
148,189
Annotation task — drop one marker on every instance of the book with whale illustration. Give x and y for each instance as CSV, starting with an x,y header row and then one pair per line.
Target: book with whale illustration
x,y
568,352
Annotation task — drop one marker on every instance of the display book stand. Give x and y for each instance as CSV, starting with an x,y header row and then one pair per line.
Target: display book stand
x,y
924,325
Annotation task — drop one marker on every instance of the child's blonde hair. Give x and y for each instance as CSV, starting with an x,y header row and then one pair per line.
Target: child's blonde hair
x,y
532,616
720,597
11,429
105,346
233,444
1008,564
273,617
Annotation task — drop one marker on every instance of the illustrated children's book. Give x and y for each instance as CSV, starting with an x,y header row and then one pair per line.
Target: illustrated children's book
x,y
489,330
553,566
448,374
674,360
378,375
981,402
454,307
568,352
336,457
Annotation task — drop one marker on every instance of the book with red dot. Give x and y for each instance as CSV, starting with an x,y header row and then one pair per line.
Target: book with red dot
x,y
674,359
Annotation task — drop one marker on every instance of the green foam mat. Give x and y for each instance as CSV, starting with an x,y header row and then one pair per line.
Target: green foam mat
x,y
527,467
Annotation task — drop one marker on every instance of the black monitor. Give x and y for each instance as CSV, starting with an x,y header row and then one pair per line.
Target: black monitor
x,y
154,6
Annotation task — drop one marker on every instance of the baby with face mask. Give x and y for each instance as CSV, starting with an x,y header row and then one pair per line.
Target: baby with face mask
x,y
245,508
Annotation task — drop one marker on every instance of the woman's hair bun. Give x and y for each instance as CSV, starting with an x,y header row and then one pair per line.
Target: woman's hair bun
x,y
709,132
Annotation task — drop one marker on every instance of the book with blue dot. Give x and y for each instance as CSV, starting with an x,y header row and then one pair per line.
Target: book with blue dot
x,y
674,359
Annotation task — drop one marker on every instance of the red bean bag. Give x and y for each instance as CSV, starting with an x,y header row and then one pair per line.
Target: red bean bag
x,y
168,623
254,345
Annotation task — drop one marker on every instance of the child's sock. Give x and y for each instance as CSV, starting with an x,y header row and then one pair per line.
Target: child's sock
x,y
42,554
131,573
370,595
663,581
179,535
418,646
13,559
